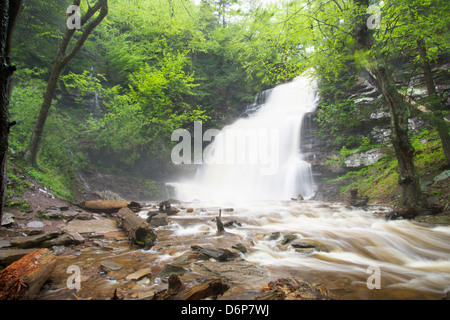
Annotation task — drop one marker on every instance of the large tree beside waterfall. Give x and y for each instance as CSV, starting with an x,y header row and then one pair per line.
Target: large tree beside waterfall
x,y
345,33
377,63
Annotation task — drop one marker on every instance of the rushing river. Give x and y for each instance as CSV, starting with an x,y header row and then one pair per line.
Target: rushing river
x,y
413,259
349,245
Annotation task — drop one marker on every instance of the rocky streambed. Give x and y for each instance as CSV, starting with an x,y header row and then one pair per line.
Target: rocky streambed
x,y
330,246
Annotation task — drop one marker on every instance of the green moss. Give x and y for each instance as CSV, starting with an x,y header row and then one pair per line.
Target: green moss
x,y
155,188
380,180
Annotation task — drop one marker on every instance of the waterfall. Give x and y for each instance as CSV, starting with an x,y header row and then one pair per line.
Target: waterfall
x,y
258,157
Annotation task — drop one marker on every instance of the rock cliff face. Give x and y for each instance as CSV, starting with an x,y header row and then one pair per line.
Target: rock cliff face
x,y
374,123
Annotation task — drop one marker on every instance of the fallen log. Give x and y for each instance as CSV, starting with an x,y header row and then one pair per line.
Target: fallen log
x,y
23,279
139,231
291,289
178,291
110,206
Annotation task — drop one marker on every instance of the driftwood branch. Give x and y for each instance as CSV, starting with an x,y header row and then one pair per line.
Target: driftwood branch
x,y
220,227
291,289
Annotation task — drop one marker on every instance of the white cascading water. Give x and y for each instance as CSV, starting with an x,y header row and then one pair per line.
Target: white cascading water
x,y
258,157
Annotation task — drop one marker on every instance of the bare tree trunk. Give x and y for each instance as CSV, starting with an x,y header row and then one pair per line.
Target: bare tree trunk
x,y
9,11
62,59
33,147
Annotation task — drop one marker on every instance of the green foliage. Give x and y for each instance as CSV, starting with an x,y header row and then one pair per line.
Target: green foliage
x,y
160,65
379,181
22,205
429,152
55,182
344,153
155,189
58,157
26,99
16,187
333,117
144,116
42,215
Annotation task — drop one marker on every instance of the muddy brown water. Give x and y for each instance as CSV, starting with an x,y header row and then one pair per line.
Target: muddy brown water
x,y
353,251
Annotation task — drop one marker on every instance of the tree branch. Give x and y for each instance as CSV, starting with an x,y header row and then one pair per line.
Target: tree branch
x,y
103,6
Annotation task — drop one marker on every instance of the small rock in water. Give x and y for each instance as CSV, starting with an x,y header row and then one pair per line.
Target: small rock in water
x,y
107,266
288,238
232,223
143,295
308,245
169,269
240,247
273,236
218,254
303,245
76,236
158,220
139,274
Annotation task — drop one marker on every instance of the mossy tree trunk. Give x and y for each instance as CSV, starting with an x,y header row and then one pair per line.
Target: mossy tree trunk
x,y
9,11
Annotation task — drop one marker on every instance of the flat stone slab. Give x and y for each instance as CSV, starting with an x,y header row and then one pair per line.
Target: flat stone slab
x,y
4,244
234,271
107,266
169,269
33,241
8,256
92,226
139,274
35,224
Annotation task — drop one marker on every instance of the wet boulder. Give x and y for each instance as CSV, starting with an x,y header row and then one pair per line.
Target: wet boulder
x,y
157,220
